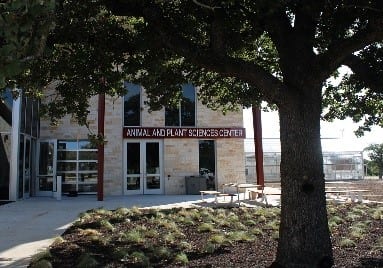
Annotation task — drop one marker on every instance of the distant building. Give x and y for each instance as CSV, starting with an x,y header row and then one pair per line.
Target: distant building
x,y
336,166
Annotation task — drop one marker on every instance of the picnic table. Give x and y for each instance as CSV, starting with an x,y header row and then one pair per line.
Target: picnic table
x,y
239,187
265,193
354,194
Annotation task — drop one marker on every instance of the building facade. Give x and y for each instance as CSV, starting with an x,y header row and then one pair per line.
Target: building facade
x,y
145,153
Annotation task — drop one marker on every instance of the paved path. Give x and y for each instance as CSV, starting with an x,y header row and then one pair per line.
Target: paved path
x,y
28,226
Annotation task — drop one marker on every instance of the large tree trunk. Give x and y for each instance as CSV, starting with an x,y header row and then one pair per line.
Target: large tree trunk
x,y
304,238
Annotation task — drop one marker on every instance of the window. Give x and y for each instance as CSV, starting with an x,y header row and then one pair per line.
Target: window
x,y
132,105
77,164
207,162
184,115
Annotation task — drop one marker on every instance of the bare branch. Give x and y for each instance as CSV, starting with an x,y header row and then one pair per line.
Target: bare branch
x,y
205,6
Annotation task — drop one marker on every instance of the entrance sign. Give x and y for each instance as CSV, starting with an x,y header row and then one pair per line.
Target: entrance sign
x,y
199,133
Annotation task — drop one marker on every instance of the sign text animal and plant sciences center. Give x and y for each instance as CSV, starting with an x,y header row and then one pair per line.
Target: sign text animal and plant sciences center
x,y
196,133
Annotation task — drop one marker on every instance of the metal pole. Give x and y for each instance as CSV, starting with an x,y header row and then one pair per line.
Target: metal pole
x,y
257,125
100,154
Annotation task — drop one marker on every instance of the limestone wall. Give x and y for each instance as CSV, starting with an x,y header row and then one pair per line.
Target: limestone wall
x,y
180,156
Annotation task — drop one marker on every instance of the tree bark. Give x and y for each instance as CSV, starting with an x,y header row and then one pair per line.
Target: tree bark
x,y
304,238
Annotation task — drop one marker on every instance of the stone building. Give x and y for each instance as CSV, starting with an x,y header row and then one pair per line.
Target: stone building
x,y
145,153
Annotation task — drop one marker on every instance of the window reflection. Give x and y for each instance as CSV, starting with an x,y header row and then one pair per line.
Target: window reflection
x,y
184,115
132,107
207,162
77,165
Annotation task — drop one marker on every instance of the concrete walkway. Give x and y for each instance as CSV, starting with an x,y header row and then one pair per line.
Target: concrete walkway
x,y
29,226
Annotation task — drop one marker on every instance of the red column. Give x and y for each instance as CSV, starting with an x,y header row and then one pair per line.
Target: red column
x,y
100,154
257,125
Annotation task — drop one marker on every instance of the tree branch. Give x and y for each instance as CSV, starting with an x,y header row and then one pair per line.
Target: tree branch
x,y
204,5
339,51
207,58
365,73
214,58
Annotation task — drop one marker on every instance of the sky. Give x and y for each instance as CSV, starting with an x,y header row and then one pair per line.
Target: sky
x,y
336,136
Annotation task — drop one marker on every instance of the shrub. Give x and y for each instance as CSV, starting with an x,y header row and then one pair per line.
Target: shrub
x,y
185,245
378,214
162,252
41,264
140,258
239,236
336,219
119,253
210,247
217,239
347,243
106,224
181,258
87,261
169,238
357,232
133,236
206,227
43,255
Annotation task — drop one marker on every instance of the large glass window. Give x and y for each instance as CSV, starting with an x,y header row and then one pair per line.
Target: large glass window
x,y
29,116
207,162
184,115
77,165
132,105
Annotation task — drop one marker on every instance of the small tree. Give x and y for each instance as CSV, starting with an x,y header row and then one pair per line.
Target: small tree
x,y
376,156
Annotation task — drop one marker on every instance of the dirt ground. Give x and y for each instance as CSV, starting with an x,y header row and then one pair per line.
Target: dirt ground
x,y
373,187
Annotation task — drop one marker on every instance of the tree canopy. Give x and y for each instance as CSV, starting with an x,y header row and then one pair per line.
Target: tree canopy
x,y
237,53
24,27
375,153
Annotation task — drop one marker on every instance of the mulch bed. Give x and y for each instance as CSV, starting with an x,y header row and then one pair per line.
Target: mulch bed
x,y
107,239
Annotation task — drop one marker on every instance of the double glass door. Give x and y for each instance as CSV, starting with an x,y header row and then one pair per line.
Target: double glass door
x,y
143,167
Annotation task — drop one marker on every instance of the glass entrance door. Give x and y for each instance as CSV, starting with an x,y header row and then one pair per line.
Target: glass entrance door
x,y
143,167
46,183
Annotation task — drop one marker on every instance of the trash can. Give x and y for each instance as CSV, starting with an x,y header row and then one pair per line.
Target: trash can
x,y
195,184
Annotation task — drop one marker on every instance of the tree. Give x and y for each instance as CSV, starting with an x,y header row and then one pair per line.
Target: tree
x,y
370,167
238,53
24,27
376,156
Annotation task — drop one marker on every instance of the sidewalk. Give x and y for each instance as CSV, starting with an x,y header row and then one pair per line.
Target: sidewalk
x,y
28,226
